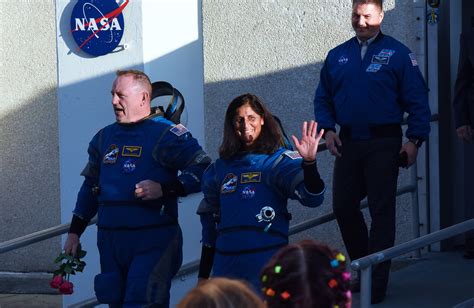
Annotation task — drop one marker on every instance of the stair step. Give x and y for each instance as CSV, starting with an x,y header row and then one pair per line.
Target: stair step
x,y
26,283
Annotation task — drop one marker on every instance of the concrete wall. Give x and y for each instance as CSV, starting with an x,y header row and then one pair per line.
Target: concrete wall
x,y
275,48
29,163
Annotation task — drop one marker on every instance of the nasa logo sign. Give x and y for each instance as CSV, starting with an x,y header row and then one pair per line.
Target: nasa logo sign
x,y
97,26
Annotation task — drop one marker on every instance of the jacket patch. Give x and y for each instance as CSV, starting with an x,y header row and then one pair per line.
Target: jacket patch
x,y
372,68
129,165
386,52
413,59
131,150
248,192
179,130
111,154
250,177
293,154
342,60
229,184
378,59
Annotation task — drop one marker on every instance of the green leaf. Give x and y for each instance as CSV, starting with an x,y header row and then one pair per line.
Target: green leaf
x,y
57,272
69,258
81,254
58,259
68,269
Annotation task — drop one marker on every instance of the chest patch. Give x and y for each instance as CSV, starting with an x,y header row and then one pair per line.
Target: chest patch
x,y
131,150
248,192
378,59
250,177
342,60
129,166
229,184
373,68
111,154
386,52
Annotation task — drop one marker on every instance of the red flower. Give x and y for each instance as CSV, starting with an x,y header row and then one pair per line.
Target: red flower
x,y
56,282
69,265
66,287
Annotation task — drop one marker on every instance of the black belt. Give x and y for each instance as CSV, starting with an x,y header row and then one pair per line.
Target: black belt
x,y
138,228
252,228
376,131
253,250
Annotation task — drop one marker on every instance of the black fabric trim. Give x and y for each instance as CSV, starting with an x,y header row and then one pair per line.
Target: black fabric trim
x,y
247,251
138,228
252,228
78,225
173,189
207,260
312,179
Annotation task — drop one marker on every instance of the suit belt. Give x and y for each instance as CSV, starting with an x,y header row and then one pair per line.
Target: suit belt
x,y
374,132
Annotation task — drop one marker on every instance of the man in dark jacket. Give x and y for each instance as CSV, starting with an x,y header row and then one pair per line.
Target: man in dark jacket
x,y
366,85
463,104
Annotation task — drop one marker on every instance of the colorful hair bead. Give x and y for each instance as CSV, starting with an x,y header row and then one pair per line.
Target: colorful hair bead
x,y
346,276
341,257
332,283
348,294
264,278
270,292
277,269
285,295
334,263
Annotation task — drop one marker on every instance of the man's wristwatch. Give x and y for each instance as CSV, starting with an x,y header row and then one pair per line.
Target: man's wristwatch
x,y
416,141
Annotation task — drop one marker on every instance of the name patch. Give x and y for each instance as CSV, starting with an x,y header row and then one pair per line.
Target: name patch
x,y
131,150
250,177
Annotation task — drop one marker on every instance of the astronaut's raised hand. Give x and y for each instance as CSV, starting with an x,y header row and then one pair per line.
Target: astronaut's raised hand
x,y
308,145
148,190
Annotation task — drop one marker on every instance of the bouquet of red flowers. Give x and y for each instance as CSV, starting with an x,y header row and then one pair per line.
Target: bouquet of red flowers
x,y
69,266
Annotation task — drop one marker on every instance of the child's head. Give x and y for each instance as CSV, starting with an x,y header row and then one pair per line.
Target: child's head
x,y
221,293
306,274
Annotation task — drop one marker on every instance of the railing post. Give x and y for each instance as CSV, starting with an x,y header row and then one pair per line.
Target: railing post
x,y
365,286
415,207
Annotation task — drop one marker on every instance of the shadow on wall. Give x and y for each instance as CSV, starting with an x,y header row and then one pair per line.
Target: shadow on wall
x,y
29,179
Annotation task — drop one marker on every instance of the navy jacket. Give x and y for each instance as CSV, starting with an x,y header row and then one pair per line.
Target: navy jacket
x,y
374,91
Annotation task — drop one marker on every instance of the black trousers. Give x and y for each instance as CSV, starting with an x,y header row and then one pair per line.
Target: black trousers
x,y
367,168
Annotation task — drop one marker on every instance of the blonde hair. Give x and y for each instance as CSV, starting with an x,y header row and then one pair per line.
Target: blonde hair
x,y
140,77
221,293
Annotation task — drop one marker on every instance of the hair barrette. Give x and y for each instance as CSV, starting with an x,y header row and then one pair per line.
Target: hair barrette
x,y
346,276
277,269
270,292
285,295
332,283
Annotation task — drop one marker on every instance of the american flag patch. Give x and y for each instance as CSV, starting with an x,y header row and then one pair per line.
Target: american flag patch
x,y
293,154
413,59
179,130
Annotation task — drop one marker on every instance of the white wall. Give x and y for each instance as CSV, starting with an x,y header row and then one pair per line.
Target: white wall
x,y
162,39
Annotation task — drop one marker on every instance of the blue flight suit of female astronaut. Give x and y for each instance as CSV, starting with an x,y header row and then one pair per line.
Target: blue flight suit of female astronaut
x,y
139,242
249,196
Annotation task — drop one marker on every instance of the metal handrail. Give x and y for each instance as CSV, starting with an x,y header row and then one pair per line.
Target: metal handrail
x,y
37,237
365,264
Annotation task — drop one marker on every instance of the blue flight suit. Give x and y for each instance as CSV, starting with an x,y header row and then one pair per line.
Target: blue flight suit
x,y
140,242
367,98
244,211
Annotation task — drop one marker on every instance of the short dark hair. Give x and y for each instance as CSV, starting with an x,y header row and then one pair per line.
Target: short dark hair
x,y
378,3
270,138
138,76
306,274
